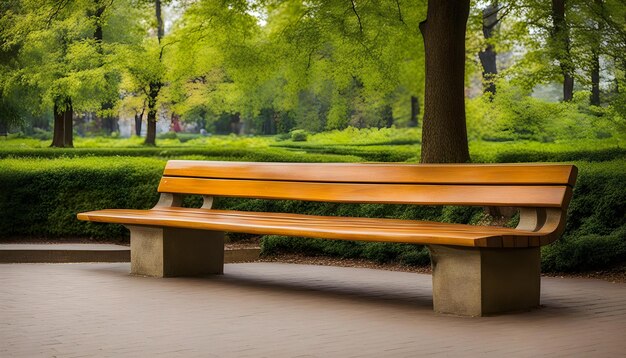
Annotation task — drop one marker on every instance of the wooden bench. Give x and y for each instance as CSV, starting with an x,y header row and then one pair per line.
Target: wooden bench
x,y
477,270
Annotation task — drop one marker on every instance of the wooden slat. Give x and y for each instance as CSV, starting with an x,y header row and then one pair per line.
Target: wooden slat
x,y
344,228
501,174
478,195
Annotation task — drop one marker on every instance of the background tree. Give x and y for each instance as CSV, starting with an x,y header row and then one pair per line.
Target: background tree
x,y
488,55
62,65
444,134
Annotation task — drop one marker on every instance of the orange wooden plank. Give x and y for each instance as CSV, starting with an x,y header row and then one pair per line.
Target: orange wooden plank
x,y
477,195
416,232
527,174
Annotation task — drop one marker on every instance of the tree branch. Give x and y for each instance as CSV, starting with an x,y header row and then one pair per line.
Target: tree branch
x,y
60,5
400,17
357,15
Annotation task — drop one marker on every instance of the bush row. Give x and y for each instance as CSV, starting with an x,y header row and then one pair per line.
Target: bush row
x,y
209,153
481,152
40,197
263,149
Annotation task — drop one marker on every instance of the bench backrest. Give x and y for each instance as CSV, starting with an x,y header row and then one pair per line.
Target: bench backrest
x,y
516,185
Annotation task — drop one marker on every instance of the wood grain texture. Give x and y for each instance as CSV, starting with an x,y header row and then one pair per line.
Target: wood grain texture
x,y
478,195
328,227
500,174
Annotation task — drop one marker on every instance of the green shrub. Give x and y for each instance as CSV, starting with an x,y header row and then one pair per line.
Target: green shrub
x,y
299,135
42,197
210,153
168,135
562,151
595,235
580,252
42,134
513,115
373,153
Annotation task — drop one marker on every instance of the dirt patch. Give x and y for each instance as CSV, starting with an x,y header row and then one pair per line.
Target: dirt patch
x,y
334,261
615,275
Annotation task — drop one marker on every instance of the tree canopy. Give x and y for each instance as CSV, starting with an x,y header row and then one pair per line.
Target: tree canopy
x,y
271,66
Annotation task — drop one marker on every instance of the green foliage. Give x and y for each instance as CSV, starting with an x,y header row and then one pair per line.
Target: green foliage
x,y
56,190
512,115
367,136
265,155
562,151
595,236
299,135
585,252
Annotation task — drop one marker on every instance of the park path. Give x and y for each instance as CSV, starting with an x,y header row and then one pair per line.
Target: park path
x,y
287,310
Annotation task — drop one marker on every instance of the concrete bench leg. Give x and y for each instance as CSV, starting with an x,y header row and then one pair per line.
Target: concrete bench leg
x,y
166,252
481,281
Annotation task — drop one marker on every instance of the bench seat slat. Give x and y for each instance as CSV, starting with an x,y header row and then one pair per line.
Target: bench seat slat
x,y
345,228
498,174
478,195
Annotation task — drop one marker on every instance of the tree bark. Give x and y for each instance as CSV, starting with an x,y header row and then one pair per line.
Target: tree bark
x,y
153,94
488,55
444,133
415,111
63,123
151,131
594,100
561,40
159,18
98,15
68,117
138,122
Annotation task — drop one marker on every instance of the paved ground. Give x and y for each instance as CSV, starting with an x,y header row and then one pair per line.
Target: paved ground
x,y
285,310
89,252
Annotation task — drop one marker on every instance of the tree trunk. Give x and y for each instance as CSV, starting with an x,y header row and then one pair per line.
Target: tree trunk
x,y
488,55
153,94
561,40
97,34
159,18
595,80
138,121
444,133
58,134
63,123
151,132
388,116
235,123
109,122
595,57
415,111
68,117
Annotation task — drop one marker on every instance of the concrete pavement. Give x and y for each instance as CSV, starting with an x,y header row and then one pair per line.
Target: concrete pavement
x,y
287,310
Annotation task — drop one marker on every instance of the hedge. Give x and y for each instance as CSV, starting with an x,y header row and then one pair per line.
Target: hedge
x,y
209,153
40,197
481,152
